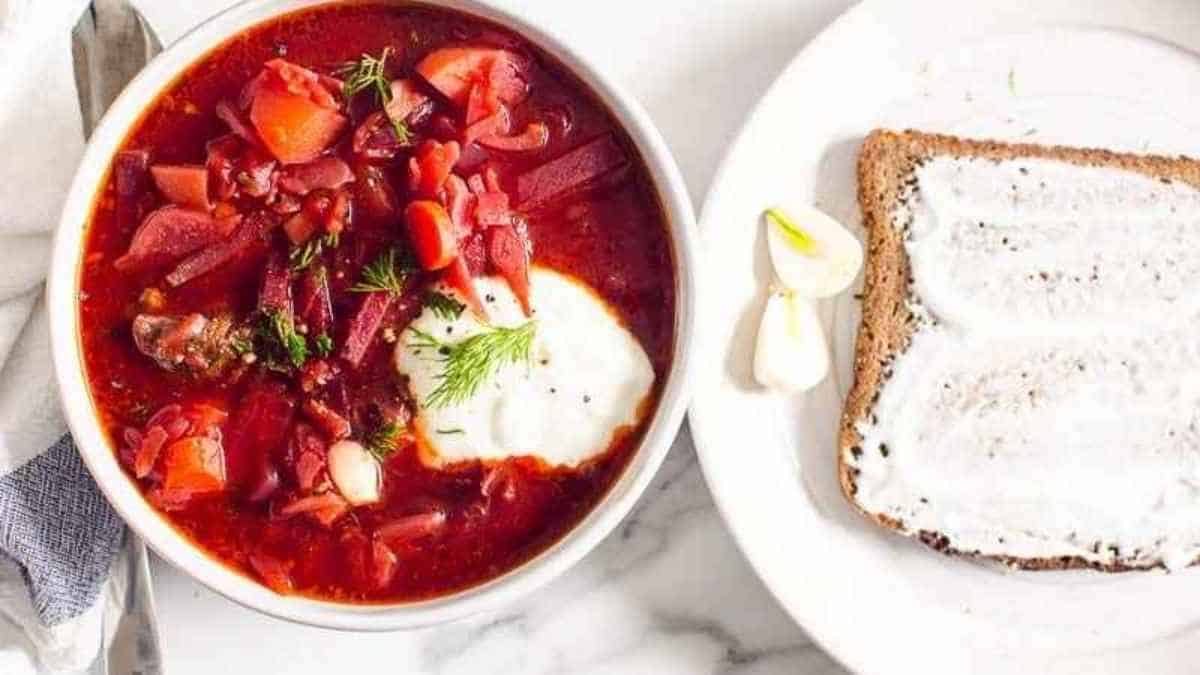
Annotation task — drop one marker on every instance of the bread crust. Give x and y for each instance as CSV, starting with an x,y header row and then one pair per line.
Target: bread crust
x,y
886,169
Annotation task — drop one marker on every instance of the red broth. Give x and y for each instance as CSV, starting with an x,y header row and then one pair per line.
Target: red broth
x,y
168,399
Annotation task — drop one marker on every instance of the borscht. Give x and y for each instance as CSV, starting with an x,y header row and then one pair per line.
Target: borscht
x,y
377,302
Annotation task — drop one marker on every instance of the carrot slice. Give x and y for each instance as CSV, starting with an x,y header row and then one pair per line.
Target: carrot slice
x,y
294,128
432,234
458,277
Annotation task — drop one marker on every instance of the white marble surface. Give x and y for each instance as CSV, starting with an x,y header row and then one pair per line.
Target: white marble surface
x,y
668,592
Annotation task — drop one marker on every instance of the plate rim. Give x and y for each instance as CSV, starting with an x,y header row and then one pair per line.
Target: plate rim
x,y
846,653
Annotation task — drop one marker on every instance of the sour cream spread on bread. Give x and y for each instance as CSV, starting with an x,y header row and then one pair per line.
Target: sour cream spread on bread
x,y
1049,402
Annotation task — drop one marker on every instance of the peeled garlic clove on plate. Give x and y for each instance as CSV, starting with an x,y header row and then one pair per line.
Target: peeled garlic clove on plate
x,y
791,354
813,254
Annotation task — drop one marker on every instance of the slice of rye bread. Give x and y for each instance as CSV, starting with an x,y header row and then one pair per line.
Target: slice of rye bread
x,y
886,169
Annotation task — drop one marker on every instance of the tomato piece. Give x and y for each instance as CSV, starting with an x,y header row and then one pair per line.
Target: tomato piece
x,y
454,70
432,234
194,465
183,184
535,137
507,251
294,128
431,166
169,233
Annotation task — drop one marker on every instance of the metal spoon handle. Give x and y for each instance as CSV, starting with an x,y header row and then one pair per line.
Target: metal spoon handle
x,y
110,44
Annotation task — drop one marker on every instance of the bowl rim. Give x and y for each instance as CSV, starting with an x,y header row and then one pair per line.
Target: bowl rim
x,y
155,529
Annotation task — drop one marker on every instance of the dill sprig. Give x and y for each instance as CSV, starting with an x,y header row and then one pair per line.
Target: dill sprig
x,y
370,73
282,345
366,73
323,344
300,257
383,441
383,275
443,306
467,365
401,130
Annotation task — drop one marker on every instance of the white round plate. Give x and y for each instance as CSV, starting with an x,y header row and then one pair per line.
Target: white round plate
x,y
1115,74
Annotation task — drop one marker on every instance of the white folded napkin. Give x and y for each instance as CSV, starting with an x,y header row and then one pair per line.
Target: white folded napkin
x,y
58,538
63,573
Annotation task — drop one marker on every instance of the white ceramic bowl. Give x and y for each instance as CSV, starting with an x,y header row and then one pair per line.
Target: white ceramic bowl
x,y
162,537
